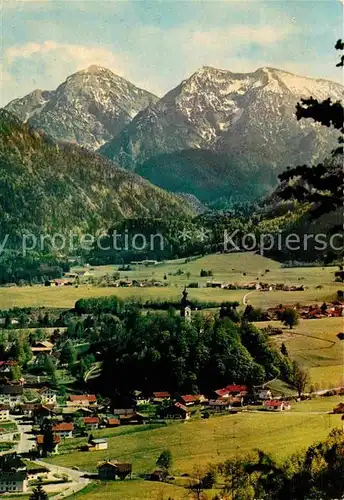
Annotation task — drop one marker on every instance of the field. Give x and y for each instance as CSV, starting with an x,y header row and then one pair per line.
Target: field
x,y
200,442
135,489
314,344
227,268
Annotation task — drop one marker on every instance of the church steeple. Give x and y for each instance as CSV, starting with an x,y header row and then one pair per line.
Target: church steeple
x,y
185,309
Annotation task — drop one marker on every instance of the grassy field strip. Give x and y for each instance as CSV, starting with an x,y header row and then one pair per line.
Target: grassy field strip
x,y
196,443
133,490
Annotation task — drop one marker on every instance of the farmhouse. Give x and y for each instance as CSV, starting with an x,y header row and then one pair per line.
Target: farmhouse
x,y
41,412
140,398
5,366
264,394
123,411
112,470
232,390
82,400
113,422
27,409
276,405
188,399
42,347
219,405
132,418
40,444
339,408
4,412
91,422
176,411
98,445
159,397
11,394
64,430
13,474
48,395
215,284
14,481
157,475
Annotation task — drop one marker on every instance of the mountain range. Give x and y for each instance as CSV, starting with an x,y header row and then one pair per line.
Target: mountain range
x,y
248,119
217,135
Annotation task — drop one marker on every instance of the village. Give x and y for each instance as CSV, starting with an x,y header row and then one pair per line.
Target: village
x,y
49,423
48,412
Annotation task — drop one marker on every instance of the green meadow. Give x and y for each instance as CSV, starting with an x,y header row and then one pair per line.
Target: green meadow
x,y
237,268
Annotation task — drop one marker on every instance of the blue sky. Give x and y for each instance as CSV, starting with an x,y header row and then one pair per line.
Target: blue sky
x,y
155,44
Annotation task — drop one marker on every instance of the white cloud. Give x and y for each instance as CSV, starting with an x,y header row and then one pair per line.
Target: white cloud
x,y
239,35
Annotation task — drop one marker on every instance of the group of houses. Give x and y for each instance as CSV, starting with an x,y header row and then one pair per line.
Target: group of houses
x,y
137,283
255,285
334,309
16,476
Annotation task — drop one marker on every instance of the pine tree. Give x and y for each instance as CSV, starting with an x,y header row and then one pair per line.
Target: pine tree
x,y
68,353
321,184
38,493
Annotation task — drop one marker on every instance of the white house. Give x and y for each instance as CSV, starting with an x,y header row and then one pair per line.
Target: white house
x,y
277,405
11,395
48,396
98,445
264,394
13,474
63,430
4,413
12,482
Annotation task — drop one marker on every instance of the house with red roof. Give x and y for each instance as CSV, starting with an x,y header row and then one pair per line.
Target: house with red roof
x,y
82,400
113,422
232,390
220,404
63,430
40,444
91,422
159,397
276,405
192,399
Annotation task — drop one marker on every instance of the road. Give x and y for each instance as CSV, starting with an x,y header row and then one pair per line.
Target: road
x,y
27,438
27,442
244,299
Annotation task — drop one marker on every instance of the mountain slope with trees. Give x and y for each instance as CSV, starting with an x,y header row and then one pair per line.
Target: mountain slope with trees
x,y
46,187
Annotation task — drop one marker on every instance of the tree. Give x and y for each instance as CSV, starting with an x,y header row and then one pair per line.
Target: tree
x,y
165,461
15,372
68,354
300,378
290,317
320,185
49,367
38,493
48,437
284,349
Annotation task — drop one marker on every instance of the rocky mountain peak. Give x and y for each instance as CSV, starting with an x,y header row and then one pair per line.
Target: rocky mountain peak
x,y
90,107
250,117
